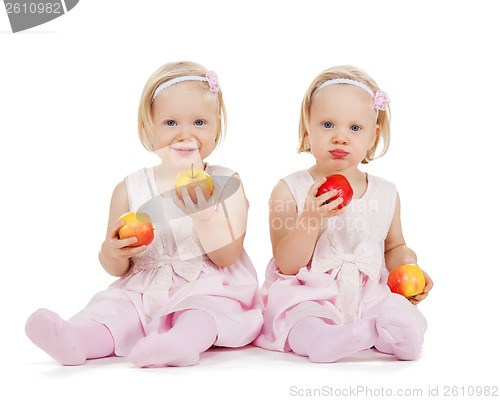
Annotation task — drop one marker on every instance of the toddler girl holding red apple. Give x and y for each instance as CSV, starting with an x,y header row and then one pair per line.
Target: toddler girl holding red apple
x,y
326,295
194,285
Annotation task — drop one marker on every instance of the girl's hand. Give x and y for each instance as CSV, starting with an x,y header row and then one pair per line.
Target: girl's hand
x,y
317,208
120,249
203,209
428,286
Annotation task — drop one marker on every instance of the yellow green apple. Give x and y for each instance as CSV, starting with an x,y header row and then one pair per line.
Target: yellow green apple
x,y
191,179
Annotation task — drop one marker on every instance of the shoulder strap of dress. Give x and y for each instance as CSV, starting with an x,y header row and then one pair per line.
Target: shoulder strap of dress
x,y
299,183
222,176
218,170
139,188
388,190
384,193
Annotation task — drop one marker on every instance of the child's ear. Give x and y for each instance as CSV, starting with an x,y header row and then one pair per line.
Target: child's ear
x,y
305,142
377,132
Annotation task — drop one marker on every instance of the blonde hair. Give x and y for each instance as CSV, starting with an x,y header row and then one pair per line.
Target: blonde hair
x,y
161,75
346,72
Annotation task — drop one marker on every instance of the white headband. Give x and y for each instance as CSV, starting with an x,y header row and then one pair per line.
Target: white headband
x,y
349,82
380,99
211,79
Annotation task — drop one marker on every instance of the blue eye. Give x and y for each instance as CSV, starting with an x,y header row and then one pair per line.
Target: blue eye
x,y
170,123
327,125
199,122
355,128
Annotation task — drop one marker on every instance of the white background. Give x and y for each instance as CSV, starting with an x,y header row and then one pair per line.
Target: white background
x,y
69,92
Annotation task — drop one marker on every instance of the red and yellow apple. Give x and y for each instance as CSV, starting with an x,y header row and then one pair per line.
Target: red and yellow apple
x,y
341,184
138,225
407,280
191,179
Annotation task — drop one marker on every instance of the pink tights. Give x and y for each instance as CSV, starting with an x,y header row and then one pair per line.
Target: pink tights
x,y
193,332
390,332
322,342
69,343
400,335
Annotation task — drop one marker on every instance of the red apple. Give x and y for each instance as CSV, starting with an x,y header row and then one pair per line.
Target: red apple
x,y
339,183
407,280
138,225
192,178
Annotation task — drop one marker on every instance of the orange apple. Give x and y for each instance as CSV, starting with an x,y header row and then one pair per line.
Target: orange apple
x,y
192,178
138,225
407,280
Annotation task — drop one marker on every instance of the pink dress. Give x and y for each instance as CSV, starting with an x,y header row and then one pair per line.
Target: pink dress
x,y
346,278
174,274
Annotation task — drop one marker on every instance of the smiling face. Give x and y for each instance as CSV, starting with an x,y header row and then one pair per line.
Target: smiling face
x,y
185,123
342,126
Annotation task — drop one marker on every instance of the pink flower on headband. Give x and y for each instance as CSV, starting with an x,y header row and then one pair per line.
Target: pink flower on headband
x,y
213,81
381,100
